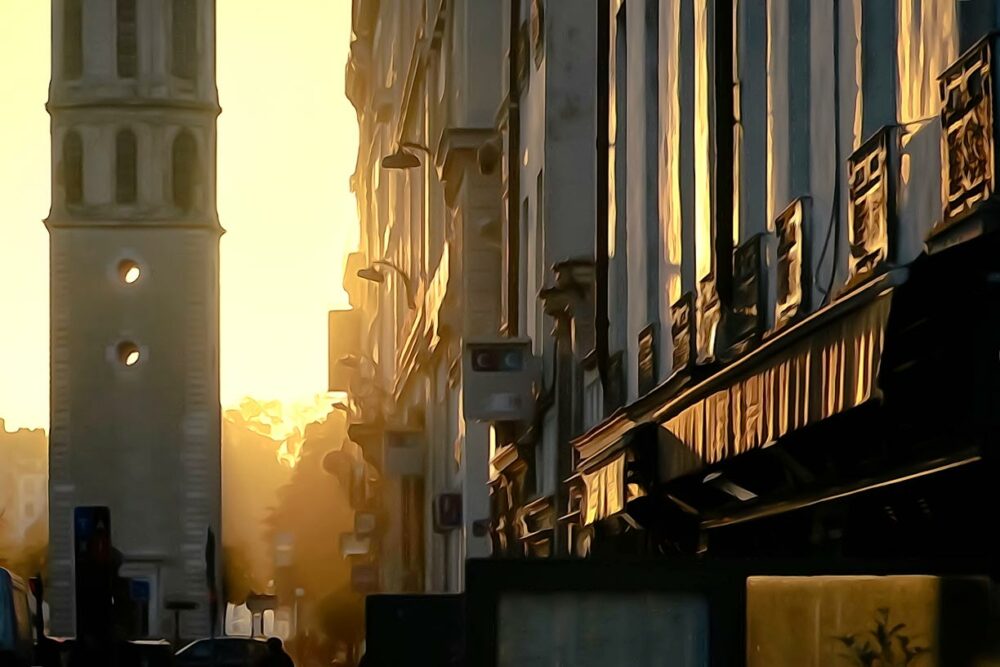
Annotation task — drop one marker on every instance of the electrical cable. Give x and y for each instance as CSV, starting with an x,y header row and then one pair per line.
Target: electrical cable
x,y
835,205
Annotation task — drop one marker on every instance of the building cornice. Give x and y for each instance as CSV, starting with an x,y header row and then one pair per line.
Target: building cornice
x,y
119,103
207,224
456,151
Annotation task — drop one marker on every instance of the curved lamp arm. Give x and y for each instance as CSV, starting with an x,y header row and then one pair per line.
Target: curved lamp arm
x,y
407,285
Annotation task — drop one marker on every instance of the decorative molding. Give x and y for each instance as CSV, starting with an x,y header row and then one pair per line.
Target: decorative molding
x,y
456,152
873,172
968,140
793,275
648,358
708,316
538,31
747,317
523,46
682,332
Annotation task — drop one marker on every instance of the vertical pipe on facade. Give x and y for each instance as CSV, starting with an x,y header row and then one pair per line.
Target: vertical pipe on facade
x,y
513,175
725,122
602,323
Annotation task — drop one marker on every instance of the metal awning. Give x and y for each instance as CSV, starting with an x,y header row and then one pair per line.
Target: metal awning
x,y
820,368
827,373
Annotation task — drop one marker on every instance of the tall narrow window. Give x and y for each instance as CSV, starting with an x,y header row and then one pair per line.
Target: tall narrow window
x,y
72,64
540,265
724,121
185,38
185,170
72,168
618,171
125,167
127,40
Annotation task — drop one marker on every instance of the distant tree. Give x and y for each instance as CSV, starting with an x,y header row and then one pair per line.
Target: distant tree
x,y
26,556
239,577
313,510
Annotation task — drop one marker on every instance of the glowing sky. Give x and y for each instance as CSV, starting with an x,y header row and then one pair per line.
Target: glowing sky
x,y
287,145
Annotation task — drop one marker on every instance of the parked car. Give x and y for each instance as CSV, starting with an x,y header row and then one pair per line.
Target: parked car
x,y
149,653
15,618
229,652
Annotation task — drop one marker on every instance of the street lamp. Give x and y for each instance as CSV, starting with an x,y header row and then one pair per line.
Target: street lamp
x,y
402,158
372,273
354,361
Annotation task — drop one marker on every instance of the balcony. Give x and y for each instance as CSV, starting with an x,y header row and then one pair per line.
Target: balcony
x,y
745,322
873,175
968,133
793,284
682,328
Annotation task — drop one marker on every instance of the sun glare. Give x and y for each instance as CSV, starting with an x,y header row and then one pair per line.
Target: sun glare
x,y
286,149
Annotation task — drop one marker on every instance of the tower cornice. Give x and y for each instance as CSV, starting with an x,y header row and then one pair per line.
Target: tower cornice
x,y
206,224
119,103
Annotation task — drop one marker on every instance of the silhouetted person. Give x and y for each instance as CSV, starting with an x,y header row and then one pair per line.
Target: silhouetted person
x,y
276,656
9,659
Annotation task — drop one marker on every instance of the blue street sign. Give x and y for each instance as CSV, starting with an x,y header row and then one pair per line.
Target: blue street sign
x,y
90,520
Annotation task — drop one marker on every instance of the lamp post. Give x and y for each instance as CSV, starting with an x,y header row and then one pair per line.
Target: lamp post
x,y
402,158
372,273
355,361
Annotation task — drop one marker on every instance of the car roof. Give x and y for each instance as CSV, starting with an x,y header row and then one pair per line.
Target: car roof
x,y
227,638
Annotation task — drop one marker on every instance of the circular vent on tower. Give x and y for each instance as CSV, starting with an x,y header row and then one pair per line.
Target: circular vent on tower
x,y
129,271
128,353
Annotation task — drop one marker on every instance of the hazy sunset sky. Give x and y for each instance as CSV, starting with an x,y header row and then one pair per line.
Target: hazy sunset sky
x,y
287,145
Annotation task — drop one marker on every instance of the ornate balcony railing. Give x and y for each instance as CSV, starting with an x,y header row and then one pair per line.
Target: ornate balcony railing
x,y
746,319
682,331
968,137
648,358
873,172
709,315
793,283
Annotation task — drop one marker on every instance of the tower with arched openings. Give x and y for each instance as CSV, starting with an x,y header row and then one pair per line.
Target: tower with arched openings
x,y
134,252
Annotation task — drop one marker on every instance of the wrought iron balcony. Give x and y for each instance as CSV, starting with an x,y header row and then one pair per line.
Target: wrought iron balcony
x,y
709,315
793,283
682,331
648,358
873,173
968,138
746,319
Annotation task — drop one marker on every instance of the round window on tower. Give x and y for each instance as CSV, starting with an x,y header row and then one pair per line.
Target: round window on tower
x,y
128,353
129,271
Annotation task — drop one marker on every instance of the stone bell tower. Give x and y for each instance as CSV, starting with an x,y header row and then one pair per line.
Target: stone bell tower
x,y
134,266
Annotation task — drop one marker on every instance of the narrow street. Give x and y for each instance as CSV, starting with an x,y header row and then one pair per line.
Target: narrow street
x,y
500,333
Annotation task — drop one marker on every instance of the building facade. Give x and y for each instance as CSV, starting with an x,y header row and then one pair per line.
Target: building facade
x,y
548,123
23,485
134,236
424,78
751,248
789,238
